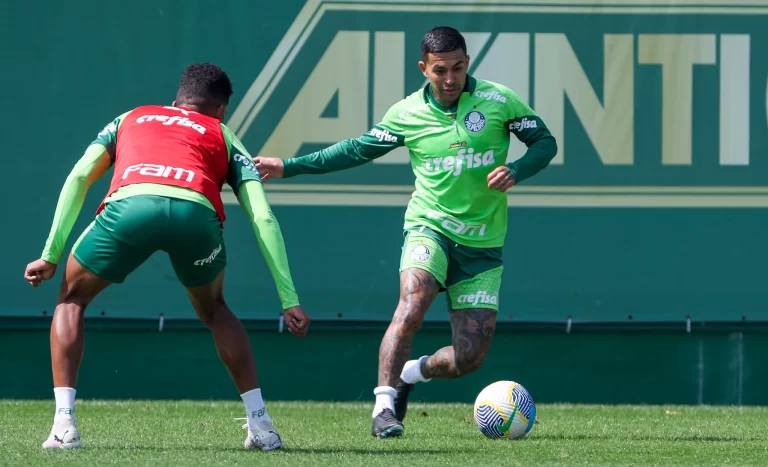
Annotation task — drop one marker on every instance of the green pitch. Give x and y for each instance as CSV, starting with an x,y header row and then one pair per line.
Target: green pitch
x,y
205,433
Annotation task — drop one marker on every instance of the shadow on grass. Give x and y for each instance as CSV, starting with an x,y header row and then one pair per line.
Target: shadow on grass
x,y
382,452
286,450
613,437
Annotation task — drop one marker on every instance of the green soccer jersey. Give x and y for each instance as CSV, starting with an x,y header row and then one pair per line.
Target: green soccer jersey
x,y
452,152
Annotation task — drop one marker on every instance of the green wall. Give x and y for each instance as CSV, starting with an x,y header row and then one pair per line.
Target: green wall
x,y
656,209
652,214
653,367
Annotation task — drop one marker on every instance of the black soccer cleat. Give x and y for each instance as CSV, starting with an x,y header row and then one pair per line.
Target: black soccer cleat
x,y
401,399
385,425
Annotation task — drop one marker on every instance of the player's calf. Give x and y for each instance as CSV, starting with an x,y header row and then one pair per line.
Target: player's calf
x,y
472,335
417,291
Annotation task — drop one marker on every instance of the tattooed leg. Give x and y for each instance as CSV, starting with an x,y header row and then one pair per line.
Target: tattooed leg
x,y
418,289
472,335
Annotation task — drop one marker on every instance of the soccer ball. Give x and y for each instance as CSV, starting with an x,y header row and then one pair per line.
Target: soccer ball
x,y
505,410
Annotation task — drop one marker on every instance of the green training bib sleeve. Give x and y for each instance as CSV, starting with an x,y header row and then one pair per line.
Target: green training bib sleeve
x,y
108,136
254,202
72,197
244,180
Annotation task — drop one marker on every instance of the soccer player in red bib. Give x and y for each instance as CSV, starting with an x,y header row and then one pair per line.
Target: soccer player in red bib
x,y
170,164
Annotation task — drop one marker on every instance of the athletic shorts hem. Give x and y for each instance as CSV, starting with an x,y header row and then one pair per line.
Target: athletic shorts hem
x,y
93,271
479,306
423,267
189,284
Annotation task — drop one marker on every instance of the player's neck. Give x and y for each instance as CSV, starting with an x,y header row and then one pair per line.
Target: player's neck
x,y
447,105
192,107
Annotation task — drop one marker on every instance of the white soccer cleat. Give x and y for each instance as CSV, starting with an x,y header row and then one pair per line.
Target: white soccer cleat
x,y
64,435
264,438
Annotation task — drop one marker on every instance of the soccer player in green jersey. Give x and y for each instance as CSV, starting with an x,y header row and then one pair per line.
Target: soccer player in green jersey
x,y
170,164
457,129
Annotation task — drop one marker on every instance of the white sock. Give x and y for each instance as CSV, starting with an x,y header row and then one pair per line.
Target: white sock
x,y
385,399
255,409
412,371
65,403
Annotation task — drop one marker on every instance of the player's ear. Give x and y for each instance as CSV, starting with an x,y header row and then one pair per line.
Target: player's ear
x,y
221,111
173,104
423,67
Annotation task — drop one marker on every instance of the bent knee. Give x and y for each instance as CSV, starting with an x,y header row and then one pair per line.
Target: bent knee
x,y
469,363
209,311
72,298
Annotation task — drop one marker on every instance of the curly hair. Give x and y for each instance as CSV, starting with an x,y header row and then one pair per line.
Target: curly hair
x,y
204,84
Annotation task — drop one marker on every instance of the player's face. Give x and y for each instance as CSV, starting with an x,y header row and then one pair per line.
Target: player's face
x,y
447,72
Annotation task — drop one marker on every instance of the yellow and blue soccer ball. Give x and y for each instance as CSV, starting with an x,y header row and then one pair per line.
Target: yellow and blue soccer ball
x,y
505,410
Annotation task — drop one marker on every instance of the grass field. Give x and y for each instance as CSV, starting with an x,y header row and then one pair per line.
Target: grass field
x,y
205,433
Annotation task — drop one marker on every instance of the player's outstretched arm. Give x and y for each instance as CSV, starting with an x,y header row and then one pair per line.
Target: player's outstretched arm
x,y
342,155
384,137
254,202
91,166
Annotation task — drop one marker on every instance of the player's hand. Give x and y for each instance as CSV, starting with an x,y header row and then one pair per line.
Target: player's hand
x,y
38,271
269,167
297,321
501,179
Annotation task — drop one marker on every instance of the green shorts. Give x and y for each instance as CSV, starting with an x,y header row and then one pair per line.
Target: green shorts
x,y
472,276
128,231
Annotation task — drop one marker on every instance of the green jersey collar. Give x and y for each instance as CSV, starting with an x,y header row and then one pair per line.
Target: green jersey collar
x,y
429,98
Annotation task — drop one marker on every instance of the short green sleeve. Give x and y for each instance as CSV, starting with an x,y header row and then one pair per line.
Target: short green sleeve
x,y
108,136
241,165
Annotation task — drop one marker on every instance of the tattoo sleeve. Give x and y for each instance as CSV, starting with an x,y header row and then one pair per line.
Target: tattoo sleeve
x,y
472,335
418,289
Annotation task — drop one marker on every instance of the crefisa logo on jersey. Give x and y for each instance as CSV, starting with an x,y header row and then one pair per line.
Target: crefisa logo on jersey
x,y
474,121
248,163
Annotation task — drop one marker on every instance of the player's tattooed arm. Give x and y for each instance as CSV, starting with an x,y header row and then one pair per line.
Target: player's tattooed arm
x,y
472,334
418,289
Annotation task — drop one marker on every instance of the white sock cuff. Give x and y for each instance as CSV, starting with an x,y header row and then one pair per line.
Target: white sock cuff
x,y
252,393
411,373
385,399
385,390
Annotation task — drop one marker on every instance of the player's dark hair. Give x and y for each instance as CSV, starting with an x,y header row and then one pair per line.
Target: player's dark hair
x,y
204,85
442,39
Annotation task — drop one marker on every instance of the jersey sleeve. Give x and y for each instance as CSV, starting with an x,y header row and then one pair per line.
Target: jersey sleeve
x,y
253,200
108,136
241,165
91,166
531,130
243,177
385,136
